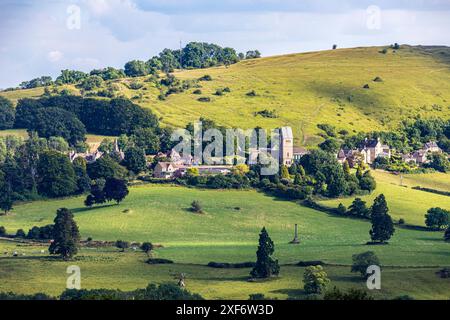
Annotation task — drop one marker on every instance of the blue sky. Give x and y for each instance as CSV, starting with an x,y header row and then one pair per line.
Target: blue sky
x,y
42,37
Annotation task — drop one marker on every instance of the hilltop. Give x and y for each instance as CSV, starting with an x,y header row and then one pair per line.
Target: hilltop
x,y
303,90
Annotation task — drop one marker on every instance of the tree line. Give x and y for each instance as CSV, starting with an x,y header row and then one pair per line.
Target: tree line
x,y
193,56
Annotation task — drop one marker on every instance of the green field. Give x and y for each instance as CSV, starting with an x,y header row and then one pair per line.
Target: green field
x,y
404,202
224,234
309,88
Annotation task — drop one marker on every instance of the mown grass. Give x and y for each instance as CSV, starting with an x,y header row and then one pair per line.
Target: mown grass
x,y
404,202
307,89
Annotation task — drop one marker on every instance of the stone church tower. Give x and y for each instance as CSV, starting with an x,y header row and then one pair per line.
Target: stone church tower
x,y
286,146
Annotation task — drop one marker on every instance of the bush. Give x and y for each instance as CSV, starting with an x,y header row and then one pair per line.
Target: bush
x,y
196,207
206,77
377,79
20,234
362,261
315,280
251,93
350,295
197,91
122,245
204,99
2,231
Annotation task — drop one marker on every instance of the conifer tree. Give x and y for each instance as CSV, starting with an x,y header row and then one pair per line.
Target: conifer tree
x,y
382,225
65,235
265,265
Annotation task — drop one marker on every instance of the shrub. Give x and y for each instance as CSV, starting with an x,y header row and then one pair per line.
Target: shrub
x,y
197,91
350,295
366,86
20,234
251,93
2,231
362,261
206,77
315,280
377,79
204,99
122,245
135,85
401,221
196,207
341,209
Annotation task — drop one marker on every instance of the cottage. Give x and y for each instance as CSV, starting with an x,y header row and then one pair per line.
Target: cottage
x,y
372,149
166,170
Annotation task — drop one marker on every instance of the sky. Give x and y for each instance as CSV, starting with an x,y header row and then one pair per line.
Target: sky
x,y
43,37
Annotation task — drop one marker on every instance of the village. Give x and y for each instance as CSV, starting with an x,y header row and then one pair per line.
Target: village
x,y
176,165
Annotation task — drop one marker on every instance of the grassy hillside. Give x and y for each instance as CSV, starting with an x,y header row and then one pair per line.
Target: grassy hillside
x,y
403,201
310,88
228,232
224,234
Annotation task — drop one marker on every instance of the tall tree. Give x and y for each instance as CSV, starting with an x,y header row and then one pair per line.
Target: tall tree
x,y
56,175
115,189
265,265
66,235
135,159
7,114
382,225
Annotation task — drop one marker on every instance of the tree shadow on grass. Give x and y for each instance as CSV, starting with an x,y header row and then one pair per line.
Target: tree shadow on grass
x,y
291,293
85,209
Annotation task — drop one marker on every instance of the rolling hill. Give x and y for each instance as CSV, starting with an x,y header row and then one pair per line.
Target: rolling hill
x,y
307,89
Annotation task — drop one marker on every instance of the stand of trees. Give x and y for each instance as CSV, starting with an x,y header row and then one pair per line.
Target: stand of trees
x,y
105,117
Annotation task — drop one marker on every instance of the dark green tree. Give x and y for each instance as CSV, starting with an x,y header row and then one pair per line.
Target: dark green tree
x,y
358,208
115,189
122,245
106,167
147,247
362,261
7,114
265,266
437,218
447,234
135,160
382,225
56,176
66,236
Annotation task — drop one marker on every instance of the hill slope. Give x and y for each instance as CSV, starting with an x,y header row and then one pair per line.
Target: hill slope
x,y
310,88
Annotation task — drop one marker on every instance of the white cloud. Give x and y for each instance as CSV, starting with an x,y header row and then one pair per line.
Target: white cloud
x,y
55,56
